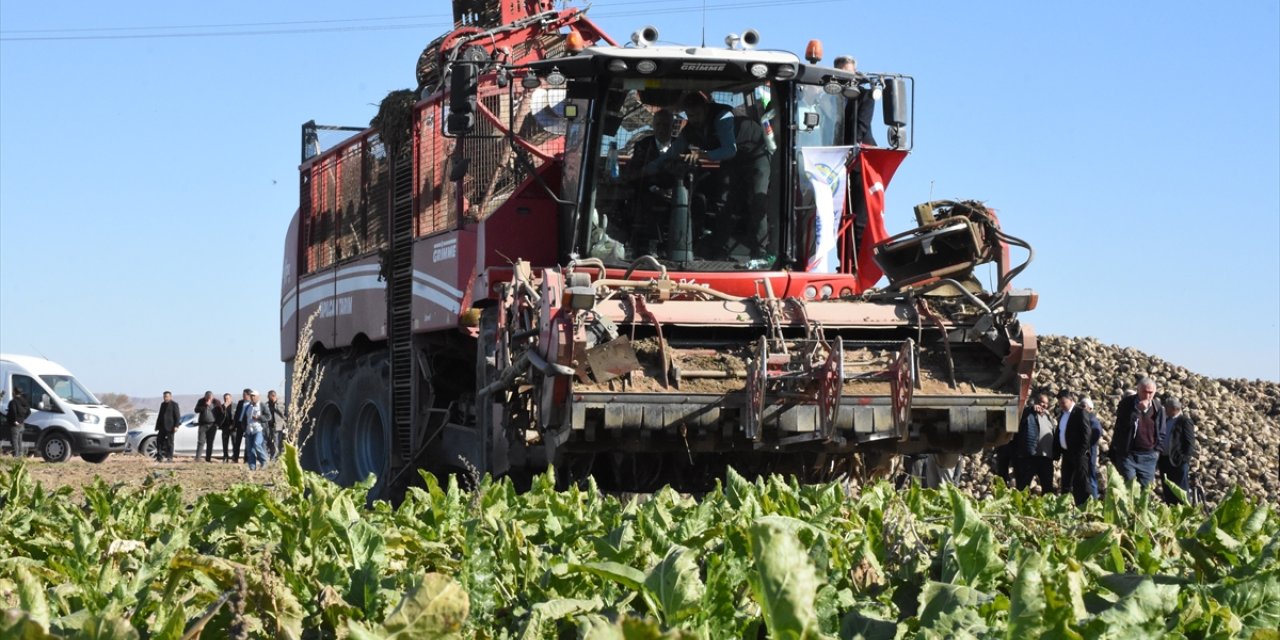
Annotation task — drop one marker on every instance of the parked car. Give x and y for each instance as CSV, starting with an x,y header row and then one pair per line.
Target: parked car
x,y
185,439
66,419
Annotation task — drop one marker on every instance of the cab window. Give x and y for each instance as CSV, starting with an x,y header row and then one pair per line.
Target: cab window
x,y
35,393
69,389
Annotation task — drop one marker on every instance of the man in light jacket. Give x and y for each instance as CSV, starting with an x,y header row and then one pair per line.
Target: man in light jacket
x,y
253,413
274,418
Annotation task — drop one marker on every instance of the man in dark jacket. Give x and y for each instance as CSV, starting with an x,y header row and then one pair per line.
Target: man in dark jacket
x,y
1177,447
1078,464
167,421
1033,455
16,417
1066,406
227,425
238,426
1135,436
208,415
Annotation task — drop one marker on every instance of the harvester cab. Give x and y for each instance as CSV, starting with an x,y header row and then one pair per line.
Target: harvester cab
x,y
700,158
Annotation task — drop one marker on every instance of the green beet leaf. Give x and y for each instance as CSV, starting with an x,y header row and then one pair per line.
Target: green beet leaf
x,y
435,609
676,587
1256,601
784,583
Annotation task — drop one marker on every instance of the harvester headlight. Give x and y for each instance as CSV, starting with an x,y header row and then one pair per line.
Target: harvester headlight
x,y
759,70
555,78
617,66
833,88
845,292
810,292
646,66
827,291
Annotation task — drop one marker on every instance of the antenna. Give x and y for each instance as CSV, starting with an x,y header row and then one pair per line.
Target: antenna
x,y
704,24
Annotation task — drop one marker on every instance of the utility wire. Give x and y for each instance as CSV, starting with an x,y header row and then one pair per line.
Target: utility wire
x,y
253,28
228,25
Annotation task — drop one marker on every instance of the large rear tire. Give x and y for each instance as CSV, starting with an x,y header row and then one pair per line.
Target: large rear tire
x,y
320,439
366,433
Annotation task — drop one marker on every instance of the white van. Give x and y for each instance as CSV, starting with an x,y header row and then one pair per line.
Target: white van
x,y
66,419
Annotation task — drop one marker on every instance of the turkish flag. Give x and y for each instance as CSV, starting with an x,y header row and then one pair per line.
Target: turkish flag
x,y
878,167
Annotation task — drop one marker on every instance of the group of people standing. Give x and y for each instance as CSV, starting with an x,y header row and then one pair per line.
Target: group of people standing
x,y
259,425
1148,436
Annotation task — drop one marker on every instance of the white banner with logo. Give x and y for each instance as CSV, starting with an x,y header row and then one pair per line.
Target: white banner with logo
x,y
828,176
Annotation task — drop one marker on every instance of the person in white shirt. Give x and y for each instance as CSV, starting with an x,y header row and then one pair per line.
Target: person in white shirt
x,y
253,415
1066,402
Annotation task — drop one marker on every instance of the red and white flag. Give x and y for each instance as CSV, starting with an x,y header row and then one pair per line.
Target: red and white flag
x,y
878,167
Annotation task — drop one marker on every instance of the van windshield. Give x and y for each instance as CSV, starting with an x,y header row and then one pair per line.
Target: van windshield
x,y
69,389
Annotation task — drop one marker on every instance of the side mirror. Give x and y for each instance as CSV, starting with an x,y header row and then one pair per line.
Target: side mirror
x,y
464,83
43,404
897,102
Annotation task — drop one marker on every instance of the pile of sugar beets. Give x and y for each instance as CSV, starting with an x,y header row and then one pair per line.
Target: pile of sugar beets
x,y
1237,421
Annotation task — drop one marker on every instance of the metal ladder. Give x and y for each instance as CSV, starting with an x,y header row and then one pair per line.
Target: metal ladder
x,y
400,310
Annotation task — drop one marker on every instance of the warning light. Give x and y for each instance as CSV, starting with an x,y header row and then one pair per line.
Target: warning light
x,y
813,52
574,42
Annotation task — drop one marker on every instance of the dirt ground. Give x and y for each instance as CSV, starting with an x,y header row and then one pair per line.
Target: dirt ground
x,y
196,478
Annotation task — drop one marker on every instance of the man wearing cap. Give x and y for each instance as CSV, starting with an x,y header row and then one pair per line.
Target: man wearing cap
x,y
1079,458
1134,437
253,414
16,418
1066,404
1177,446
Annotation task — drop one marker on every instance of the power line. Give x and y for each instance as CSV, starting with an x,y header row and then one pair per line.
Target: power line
x,y
241,29
217,34
226,25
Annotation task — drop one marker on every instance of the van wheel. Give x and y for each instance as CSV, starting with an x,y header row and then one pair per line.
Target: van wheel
x,y
96,458
55,447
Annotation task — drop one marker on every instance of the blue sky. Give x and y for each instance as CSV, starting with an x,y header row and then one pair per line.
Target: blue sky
x,y
146,182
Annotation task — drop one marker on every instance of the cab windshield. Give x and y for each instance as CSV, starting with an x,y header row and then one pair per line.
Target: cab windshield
x,y
685,171
69,389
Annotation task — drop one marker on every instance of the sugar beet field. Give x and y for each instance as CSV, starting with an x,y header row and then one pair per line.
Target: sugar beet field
x,y
299,557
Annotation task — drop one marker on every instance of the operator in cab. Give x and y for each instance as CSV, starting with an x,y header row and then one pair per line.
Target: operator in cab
x,y
737,192
652,173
